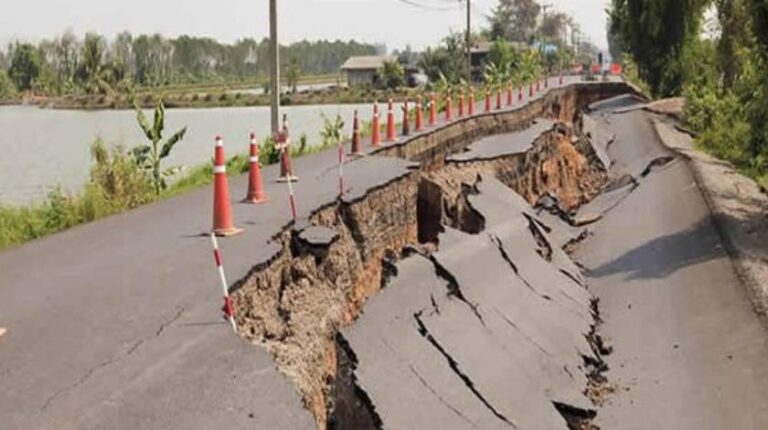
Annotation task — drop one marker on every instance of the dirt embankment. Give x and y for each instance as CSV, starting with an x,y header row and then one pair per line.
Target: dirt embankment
x,y
327,268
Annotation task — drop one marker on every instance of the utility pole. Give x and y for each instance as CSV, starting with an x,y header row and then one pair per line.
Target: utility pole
x,y
544,7
469,42
275,67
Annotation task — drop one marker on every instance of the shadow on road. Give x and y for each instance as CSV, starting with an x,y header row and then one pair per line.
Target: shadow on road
x,y
666,254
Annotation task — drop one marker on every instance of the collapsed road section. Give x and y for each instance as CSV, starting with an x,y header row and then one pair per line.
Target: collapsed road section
x,y
128,305
439,295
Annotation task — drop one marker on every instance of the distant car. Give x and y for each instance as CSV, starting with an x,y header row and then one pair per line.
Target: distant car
x,y
418,80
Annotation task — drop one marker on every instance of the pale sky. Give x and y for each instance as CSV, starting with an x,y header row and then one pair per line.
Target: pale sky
x,y
392,22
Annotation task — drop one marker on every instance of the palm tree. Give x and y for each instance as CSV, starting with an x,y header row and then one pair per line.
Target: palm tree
x,y
92,68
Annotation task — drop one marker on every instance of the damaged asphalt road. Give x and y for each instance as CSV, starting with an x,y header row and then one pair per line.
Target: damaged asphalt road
x,y
446,346
689,352
430,296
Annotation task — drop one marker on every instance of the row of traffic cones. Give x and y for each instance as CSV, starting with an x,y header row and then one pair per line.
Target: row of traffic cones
x,y
223,224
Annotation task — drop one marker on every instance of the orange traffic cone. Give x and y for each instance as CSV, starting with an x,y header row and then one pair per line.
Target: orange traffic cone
x,y
461,104
390,123
406,119
472,102
419,115
432,110
356,150
375,127
283,144
448,107
487,99
498,97
510,95
256,192
520,92
222,211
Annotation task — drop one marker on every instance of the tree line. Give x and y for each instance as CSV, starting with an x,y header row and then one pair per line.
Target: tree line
x,y
514,26
720,66
94,64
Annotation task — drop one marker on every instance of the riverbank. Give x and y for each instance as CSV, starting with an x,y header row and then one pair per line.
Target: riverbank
x,y
198,97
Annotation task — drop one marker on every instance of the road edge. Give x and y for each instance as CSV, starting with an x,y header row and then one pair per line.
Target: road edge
x,y
741,239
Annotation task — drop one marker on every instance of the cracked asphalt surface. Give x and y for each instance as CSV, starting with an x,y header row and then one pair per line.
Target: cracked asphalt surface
x,y
485,333
689,352
116,324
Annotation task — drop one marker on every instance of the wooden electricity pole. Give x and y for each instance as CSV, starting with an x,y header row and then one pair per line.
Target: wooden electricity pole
x,y
469,42
275,67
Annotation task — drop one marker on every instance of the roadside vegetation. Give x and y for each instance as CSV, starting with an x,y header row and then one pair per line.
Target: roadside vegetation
x,y
715,54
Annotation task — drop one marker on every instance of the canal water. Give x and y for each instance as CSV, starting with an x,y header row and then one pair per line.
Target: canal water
x,y
42,148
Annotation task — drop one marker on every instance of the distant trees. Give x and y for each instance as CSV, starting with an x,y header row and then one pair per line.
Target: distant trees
x,y
293,73
392,74
514,20
94,65
26,66
656,33
448,60
553,27
7,87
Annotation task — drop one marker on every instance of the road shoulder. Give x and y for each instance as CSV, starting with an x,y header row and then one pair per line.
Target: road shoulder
x,y
738,208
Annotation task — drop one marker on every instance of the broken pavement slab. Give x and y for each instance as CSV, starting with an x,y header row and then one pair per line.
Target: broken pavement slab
x,y
500,145
599,138
463,350
622,103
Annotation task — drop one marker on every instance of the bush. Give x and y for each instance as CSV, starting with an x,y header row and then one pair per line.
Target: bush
x,y
7,88
731,123
116,184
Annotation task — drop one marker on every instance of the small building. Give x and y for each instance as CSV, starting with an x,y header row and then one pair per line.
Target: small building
x,y
364,70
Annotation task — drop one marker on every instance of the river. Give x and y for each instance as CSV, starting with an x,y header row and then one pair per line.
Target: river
x,y
42,148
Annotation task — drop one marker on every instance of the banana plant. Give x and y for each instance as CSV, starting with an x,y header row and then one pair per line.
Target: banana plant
x,y
150,157
331,133
496,75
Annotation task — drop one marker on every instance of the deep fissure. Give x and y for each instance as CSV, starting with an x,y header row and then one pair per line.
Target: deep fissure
x,y
273,307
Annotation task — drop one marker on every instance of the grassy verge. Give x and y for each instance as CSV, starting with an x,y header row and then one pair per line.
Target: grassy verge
x,y
115,185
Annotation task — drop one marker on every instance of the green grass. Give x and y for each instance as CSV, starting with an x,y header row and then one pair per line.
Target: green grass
x,y
113,188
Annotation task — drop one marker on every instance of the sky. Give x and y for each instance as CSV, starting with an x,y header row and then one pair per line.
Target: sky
x,y
392,22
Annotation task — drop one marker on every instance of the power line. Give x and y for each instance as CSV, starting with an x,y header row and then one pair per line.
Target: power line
x,y
430,7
